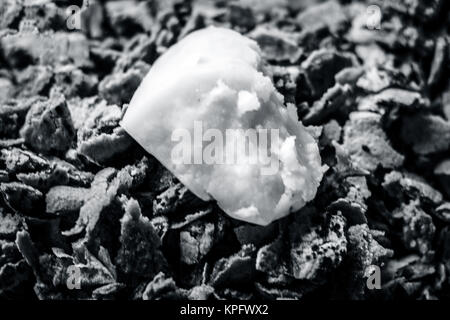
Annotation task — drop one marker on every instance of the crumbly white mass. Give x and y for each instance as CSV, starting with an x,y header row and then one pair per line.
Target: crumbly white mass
x,y
216,76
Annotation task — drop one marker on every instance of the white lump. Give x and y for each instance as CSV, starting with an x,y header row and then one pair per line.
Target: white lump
x,y
204,96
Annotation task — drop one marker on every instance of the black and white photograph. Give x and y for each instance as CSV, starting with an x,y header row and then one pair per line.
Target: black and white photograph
x,y
237,152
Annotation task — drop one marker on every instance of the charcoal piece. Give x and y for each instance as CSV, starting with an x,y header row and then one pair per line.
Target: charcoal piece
x,y
423,11
71,81
23,198
202,292
353,211
376,79
163,287
333,100
139,256
358,190
127,18
101,201
57,175
329,14
190,218
257,235
393,97
9,253
406,186
433,137
367,144
284,79
22,161
140,48
108,292
65,199
363,251
118,88
196,241
276,45
9,225
161,226
49,48
316,252
14,280
34,81
12,116
93,115
103,147
48,127
175,198
235,270
418,228
318,72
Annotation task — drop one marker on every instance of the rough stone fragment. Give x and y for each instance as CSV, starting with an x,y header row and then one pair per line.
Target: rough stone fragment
x,y
103,147
48,126
34,80
329,14
9,225
332,101
22,197
139,255
405,186
418,228
12,116
163,288
276,45
367,143
62,199
363,251
127,18
313,250
257,235
22,161
433,136
312,254
46,48
392,97
71,81
319,70
195,242
237,269
118,88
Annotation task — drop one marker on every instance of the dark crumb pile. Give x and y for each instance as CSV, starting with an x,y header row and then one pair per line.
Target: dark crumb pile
x,y
80,200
